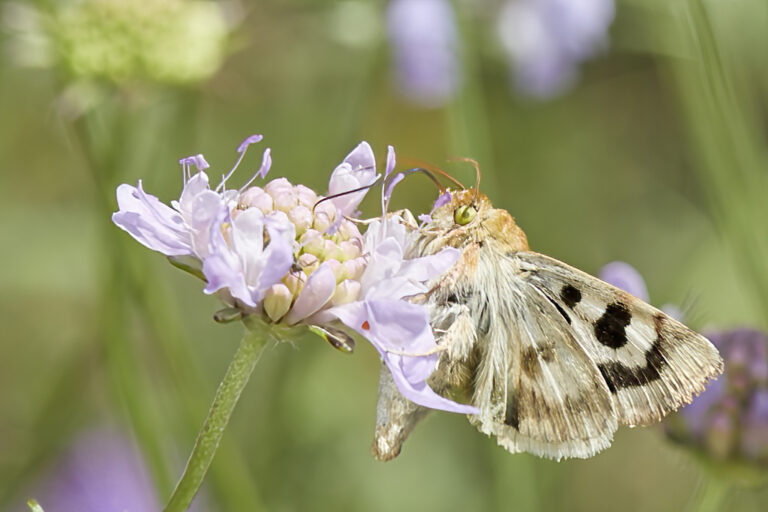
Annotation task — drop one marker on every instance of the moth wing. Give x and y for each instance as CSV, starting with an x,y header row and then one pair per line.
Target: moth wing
x,y
538,391
651,363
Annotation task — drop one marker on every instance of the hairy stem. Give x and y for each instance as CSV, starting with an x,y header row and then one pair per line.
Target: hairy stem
x,y
234,381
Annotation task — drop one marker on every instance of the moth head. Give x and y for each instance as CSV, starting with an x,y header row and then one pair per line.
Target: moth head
x,y
467,215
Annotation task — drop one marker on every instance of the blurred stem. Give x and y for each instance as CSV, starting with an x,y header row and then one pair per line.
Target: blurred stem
x,y
726,140
129,385
232,385
123,365
713,496
468,127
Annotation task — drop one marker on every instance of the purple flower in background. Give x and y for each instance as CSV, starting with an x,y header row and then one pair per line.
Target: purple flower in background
x,y
424,43
101,472
625,276
291,257
547,40
729,420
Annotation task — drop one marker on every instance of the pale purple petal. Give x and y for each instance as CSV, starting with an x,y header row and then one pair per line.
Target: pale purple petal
x,y
623,275
390,161
315,294
429,267
222,268
253,139
442,200
357,170
195,186
151,223
278,255
361,158
403,327
391,185
385,262
266,164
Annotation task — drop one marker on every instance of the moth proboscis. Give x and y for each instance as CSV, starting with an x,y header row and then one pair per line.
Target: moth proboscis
x,y
554,359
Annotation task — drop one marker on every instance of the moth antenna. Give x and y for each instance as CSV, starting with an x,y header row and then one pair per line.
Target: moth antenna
x,y
478,174
426,166
341,194
429,174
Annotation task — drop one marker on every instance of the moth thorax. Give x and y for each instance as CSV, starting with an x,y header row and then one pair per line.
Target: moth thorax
x,y
501,226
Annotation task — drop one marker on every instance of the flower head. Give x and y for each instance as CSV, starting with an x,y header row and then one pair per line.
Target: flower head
x,y
729,420
547,40
120,41
289,257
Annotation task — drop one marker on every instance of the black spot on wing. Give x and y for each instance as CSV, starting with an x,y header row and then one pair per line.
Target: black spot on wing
x,y
512,414
620,376
560,309
610,329
570,295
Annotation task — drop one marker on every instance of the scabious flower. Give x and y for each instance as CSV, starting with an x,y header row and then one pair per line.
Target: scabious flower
x,y
547,40
729,420
289,257
423,39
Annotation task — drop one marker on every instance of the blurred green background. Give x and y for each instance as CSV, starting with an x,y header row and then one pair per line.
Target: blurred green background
x,y
655,156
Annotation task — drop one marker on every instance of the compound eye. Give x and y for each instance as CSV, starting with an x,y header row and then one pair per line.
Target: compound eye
x,y
463,215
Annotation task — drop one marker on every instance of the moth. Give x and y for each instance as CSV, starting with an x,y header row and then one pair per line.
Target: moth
x,y
554,358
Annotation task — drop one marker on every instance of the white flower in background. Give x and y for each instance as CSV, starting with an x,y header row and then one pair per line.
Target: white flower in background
x,y
121,41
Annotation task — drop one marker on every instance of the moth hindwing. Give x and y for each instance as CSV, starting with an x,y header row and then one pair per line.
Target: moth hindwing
x,y
554,358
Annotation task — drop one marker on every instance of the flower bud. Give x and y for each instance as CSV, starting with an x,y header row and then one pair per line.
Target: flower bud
x,y
327,208
312,242
332,251
353,269
348,231
301,216
322,222
349,250
277,301
278,185
285,200
346,291
255,197
307,196
308,263
295,283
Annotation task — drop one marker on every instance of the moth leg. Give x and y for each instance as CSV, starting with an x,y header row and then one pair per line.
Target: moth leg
x,y
396,416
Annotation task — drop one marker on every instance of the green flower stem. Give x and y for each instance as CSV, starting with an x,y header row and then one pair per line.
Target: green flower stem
x,y
235,379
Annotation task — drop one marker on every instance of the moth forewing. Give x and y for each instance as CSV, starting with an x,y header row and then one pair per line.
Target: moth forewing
x,y
554,358
652,363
